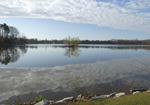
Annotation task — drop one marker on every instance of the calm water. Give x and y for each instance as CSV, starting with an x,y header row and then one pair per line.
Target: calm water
x,y
56,72
54,55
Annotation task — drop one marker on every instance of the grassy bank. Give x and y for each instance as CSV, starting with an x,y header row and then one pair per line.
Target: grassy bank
x,y
136,99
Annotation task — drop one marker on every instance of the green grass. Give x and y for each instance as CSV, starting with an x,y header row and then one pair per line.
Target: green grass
x,y
136,99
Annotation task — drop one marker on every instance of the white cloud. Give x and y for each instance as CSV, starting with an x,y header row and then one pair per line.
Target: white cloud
x,y
115,14
139,4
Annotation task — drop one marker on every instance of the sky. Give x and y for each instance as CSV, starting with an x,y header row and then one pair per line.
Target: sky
x,y
86,19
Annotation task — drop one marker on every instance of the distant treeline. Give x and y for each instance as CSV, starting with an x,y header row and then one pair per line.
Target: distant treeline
x,y
11,35
133,42
117,41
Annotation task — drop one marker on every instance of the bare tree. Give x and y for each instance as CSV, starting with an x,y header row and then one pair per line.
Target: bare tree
x,y
14,32
71,42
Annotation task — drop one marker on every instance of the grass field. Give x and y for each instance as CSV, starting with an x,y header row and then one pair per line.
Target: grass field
x,y
136,99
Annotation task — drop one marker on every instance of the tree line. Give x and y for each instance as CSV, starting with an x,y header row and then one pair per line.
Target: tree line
x,y
11,35
67,41
117,41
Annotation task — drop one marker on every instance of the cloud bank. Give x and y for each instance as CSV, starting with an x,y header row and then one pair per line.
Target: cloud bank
x,y
124,14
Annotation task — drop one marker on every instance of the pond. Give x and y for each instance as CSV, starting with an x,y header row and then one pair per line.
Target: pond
x,y
55,71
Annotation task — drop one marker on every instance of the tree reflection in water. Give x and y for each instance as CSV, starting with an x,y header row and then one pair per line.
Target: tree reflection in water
x,y
72,51
11,54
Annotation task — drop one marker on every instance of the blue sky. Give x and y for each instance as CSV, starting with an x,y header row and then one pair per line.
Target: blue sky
x,y
86,19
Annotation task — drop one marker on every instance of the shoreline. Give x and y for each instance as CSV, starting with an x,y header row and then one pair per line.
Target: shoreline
x,y
83,98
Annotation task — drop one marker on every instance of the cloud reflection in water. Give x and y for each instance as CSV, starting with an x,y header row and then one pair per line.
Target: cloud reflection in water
x,y
19,81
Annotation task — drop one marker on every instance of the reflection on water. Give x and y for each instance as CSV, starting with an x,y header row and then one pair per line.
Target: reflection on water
x,y
119,47
72,51
52,55
101,77
11,54
58,71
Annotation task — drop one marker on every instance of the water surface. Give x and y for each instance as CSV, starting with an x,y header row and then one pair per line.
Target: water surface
x,y
56,72
55,55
